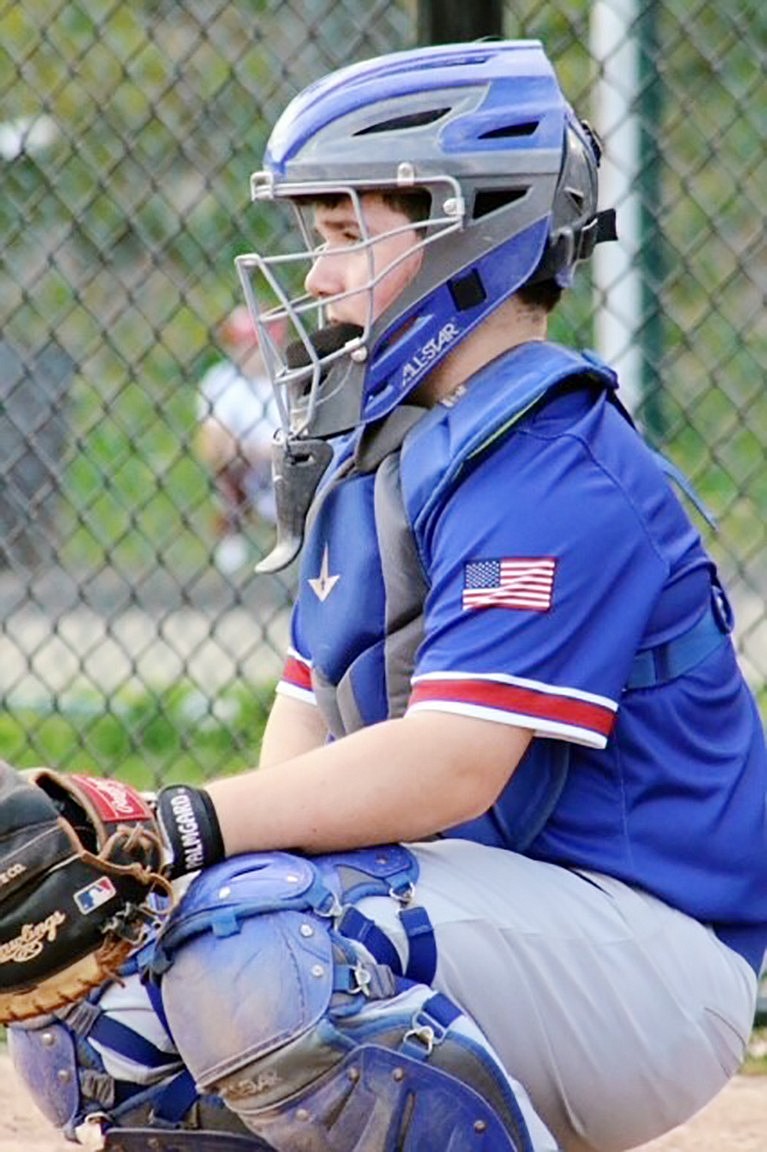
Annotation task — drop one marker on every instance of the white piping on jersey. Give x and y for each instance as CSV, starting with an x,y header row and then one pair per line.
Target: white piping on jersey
x,y
521,682
285,688
552,729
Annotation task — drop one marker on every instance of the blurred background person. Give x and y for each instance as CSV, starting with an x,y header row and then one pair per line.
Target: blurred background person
x,y
237,419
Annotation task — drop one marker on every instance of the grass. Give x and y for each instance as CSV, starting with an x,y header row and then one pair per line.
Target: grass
x,y
147,739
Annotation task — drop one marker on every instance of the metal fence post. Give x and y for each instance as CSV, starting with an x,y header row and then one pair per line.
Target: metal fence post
x,y
453,21
33,439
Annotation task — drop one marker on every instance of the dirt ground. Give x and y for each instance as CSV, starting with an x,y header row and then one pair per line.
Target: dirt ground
x,y
735,1122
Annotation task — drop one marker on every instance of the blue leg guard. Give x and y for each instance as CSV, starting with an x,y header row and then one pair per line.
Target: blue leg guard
x,y
107,1062
311,1035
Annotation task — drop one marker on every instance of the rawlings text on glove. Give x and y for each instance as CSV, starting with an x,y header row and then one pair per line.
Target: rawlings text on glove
x,y
80,883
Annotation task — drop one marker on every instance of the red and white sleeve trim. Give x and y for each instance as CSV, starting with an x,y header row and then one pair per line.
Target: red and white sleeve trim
x,y
561,713
296,680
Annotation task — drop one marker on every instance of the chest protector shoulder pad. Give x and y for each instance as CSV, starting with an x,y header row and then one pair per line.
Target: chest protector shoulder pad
x,y
432,458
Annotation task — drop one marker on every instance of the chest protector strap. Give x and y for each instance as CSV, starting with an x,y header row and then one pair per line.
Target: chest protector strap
x,y
452,434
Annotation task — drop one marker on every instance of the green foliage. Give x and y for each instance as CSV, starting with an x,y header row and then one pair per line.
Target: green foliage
x,y
148,739
122,236
134,480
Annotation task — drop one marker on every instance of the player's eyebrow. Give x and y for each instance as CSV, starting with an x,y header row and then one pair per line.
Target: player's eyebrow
x,y
337,215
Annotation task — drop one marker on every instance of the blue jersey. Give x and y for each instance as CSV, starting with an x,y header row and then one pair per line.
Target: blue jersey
x,y
536,579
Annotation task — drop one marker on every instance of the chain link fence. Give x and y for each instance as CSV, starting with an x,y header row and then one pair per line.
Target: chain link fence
x,y
128,136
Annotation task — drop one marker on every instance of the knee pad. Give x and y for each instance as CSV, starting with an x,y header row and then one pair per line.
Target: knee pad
x,y
108,1062
298,1011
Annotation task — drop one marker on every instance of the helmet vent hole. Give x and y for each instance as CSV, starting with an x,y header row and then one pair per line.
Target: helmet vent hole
x,y
491,199
508,131
402,123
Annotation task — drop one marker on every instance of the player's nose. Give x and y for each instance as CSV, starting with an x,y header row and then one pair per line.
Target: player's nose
x,y
324,278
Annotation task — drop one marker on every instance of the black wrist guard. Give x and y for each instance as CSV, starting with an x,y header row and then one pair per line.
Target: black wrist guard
x,y
190,827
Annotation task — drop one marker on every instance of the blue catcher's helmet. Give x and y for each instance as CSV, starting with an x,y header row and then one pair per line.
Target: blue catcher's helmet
x,y
510,174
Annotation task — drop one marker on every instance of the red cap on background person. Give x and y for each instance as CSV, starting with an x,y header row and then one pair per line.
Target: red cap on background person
x,y
238,330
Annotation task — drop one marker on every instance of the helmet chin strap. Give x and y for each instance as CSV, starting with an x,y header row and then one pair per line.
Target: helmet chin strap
x,y
299,462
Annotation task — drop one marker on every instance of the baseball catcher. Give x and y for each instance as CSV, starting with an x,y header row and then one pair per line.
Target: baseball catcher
x,y
499,883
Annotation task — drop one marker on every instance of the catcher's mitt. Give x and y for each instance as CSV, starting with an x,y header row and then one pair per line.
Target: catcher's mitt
x,y
80,882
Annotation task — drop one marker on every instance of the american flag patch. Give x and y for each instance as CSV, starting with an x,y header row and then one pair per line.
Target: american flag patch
x,y
522,583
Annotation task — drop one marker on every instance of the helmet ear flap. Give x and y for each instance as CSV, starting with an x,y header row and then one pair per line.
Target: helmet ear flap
x,y
574,218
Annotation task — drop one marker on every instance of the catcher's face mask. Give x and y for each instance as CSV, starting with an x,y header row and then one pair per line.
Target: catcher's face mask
x,y
361,250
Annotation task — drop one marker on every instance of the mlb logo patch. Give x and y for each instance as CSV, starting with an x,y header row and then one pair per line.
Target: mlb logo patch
x,y
90,898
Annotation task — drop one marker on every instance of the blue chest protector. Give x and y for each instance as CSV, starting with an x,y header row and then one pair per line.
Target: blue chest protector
x,y
363,582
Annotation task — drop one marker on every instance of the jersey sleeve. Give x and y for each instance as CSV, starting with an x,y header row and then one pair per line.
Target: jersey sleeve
x,y
542,579
296,677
